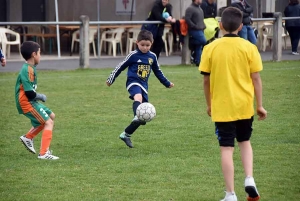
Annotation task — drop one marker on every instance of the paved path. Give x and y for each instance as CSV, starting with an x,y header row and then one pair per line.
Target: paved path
x,y
70,63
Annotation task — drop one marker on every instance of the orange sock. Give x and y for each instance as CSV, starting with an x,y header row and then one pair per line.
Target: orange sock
x,y
34,131
46,140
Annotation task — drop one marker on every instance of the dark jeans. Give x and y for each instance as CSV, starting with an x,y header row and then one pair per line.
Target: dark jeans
x,y
247,33
199,41
294,33
157,45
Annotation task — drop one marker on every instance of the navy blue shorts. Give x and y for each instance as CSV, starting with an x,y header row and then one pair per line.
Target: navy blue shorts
x,y
228,131
135,89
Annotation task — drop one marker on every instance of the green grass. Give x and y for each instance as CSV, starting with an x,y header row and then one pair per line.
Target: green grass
x,y
176,157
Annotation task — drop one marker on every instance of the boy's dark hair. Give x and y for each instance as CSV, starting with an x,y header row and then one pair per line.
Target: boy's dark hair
x,y
231,19
145,35
28,47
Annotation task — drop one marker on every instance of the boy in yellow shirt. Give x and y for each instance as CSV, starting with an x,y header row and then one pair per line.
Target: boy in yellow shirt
x,y
231,66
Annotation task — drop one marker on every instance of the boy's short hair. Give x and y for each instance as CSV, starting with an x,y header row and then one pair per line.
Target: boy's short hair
x,y
29,47
145,35
231,19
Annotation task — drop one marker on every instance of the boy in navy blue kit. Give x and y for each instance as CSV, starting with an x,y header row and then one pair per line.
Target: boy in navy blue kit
x,y
140,62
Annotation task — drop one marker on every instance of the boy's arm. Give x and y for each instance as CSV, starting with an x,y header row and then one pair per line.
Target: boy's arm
x,y
256,80
120,67
159,74
29,90
206,87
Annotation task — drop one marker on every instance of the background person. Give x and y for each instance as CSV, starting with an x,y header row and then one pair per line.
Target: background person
x,y
156,14
194,18
247,31
293,26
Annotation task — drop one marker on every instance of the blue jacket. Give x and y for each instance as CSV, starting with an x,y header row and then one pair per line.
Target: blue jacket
x,y
1,54
292,11
139,68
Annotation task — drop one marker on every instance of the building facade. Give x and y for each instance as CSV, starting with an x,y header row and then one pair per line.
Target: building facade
x,y
71,10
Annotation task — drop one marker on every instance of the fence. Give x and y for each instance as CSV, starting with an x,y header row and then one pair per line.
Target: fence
x,y
185,58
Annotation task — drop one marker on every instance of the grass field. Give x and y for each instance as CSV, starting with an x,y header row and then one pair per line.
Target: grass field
x,y
176,157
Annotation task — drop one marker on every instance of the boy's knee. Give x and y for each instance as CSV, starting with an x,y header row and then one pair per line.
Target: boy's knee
x,y
49,122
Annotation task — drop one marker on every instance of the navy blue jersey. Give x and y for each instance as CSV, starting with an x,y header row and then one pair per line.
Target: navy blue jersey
x,y
1,54
139,66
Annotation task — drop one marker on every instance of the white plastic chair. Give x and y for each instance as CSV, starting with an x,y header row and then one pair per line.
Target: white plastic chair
x,y
131,40
268,37
76,38
113,37
168,38
7,43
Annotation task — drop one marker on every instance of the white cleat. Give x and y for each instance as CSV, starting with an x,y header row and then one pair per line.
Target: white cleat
x,y
251,189
48,156
230,197
28,143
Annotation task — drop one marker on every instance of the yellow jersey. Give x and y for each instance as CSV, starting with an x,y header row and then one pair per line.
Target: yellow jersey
x,y
230,61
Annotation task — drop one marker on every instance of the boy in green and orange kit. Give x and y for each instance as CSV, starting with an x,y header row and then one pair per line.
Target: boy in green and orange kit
x,y
42,118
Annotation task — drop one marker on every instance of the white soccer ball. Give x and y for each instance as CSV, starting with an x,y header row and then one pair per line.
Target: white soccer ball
x,y
145,112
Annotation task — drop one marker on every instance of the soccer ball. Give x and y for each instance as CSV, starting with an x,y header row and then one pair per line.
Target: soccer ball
x,y
145,112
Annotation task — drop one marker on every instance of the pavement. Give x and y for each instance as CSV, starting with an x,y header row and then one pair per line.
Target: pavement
x,y
66,62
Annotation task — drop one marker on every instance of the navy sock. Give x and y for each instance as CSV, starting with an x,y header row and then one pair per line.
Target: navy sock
x,y
135,106
131,128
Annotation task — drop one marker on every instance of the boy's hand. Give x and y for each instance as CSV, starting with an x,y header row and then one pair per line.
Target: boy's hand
x,y
262,113
208,110
171,85
41,97
3,62
108,84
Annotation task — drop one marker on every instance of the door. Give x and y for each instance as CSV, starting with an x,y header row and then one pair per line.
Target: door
x,y
33,10
3,11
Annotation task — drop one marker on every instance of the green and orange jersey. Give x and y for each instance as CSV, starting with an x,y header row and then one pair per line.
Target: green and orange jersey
x,y
26,81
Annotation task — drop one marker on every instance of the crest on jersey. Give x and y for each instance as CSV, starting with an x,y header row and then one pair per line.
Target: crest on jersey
x,y
150,60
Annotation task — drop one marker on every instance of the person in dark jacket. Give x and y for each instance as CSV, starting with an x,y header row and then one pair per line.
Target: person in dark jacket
x,y
156,14
194,18
293,26
209,8
247,31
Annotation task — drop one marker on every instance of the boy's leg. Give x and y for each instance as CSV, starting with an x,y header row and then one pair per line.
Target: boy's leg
x,y
129,130
244,131
226,133
139,96
34,131
247,157
37,121
228,167
45,117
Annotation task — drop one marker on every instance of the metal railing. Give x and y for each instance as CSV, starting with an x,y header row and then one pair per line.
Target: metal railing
x,y
85,23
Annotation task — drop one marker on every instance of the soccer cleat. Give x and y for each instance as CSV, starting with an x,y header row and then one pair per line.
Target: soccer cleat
x,y
251,189
230,197
136,120
28,143
48,156
126,139
295,53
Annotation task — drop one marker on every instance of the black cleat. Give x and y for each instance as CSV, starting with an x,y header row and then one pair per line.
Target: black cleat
x,y
127,141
